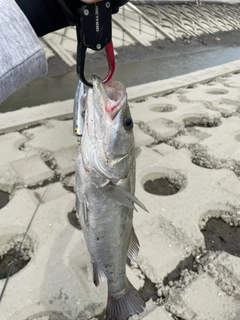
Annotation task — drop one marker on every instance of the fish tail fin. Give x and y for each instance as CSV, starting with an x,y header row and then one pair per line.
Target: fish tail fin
x,y
125,303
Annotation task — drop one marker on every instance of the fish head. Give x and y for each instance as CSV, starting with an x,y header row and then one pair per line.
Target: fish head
x,y
108,130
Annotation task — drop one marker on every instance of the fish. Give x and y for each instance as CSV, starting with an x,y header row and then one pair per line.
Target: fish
x,y
105,200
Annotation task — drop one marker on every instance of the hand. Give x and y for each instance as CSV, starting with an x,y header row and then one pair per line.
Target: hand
x,y
69,7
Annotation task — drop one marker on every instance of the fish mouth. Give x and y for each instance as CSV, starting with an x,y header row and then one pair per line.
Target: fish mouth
x,y
112,96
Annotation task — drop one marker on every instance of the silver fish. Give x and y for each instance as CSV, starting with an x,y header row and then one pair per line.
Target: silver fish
x,y
105,186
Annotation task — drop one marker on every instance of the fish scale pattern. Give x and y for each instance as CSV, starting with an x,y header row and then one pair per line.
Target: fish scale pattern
x,y
188,170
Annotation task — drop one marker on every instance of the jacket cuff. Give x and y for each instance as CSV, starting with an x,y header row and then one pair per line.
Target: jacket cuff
x,y
22,57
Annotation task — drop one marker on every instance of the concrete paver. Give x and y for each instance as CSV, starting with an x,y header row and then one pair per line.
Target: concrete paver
x,y
65,159
141,138
11,121
57,247
228,146
12,154
163,149
182,139
152,313
32,170
158,313
56,137
206,301
171,108
59,134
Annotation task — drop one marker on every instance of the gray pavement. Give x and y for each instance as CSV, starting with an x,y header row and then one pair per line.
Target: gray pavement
x,y
187,133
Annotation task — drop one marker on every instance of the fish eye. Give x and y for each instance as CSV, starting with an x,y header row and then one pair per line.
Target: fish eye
x,y
128,123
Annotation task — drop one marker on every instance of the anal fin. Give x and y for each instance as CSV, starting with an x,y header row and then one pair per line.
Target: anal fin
x,y
97,274
134,246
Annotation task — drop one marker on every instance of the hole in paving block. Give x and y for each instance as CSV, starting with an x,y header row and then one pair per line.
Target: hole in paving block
x,y
68,188
202,159
148,291
48,316
163,184
4,199
175,275
191,86
22,147
69,182
219,236
163,107
216,91
168,93
8,253
201,122
72,218
48,157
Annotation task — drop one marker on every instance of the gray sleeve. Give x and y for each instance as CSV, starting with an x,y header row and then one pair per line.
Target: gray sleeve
x,y
22,58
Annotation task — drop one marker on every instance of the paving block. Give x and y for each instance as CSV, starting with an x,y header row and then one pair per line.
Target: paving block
x,y
163,149
210,92
65,158
226,147
191,137
206,301
10,145
227,107
141,138
158,313
173,107
53,191
11,121
162,129
16,214
159,252
59,135
223,267
201,183
57,278
32,170
171,228
58,138
231,81
152,312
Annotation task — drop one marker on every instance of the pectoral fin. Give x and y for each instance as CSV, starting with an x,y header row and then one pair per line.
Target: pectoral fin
x,y
123,197
134,246
82,211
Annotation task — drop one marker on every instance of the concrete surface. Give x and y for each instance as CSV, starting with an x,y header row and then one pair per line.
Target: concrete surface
x,y
188,167
142,22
